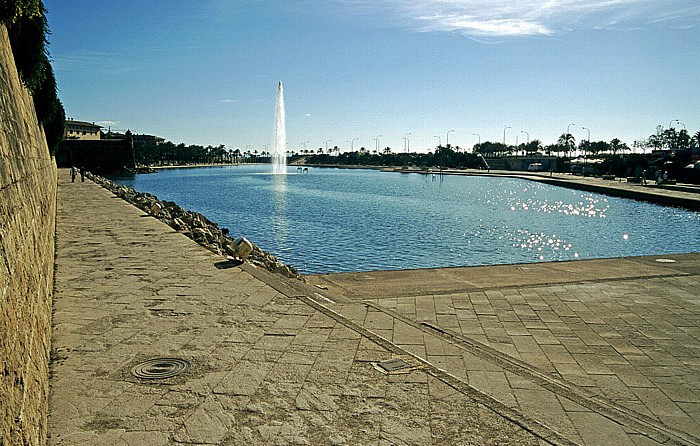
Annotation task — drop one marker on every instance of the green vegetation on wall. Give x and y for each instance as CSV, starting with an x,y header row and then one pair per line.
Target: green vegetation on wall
x,y
28,30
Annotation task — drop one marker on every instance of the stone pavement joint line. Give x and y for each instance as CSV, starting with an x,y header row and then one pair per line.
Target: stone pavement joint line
x,y
579,395
613,358
531,425
606,353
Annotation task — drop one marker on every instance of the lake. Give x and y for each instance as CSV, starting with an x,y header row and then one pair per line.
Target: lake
x,y
333,220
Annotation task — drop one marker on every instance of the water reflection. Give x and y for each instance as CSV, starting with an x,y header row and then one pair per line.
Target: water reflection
x,y
314,221
280,216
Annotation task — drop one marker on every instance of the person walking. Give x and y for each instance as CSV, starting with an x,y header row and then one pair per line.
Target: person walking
x,y
73,173
82,174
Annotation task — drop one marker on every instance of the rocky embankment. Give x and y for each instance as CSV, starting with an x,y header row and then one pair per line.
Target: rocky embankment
x,y
195,226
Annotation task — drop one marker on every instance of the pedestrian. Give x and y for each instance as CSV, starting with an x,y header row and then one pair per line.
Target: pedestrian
x,y
82,174
73,173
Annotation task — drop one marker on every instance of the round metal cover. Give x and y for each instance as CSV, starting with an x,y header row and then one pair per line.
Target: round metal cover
x,y
160,368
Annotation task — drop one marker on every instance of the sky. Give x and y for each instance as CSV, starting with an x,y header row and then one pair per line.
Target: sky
x,y
365,73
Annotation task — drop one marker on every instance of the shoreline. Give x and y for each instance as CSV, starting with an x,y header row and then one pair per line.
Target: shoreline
x,y
686,196
679,195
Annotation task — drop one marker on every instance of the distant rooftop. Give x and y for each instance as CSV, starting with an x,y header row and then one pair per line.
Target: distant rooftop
x,y
71,121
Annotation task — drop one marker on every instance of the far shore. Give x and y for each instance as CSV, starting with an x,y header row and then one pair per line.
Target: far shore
x,y
685,196
188,166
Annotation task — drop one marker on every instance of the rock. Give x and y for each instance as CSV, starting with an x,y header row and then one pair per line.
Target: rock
x,y
156,209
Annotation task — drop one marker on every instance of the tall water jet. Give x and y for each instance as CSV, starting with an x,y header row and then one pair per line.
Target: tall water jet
x,y
279,148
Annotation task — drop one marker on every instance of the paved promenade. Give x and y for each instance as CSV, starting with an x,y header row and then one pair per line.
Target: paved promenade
x,y
591,352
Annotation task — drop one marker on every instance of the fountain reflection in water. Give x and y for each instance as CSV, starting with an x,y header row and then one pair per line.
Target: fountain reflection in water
x,y
279,148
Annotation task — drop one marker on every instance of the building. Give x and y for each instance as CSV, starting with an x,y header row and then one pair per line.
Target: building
x,y
84,146
81,130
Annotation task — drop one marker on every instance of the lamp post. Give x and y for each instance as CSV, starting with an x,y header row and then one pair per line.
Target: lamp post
x,y
678,121
478,136
376,143
352,144
504,134
528,140
447,141
406,142
585,151
305,143
439,140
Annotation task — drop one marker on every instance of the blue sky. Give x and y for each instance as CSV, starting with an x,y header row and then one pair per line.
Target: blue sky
x,y
206,72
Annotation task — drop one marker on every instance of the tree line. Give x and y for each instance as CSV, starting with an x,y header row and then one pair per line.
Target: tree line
x,y
169,153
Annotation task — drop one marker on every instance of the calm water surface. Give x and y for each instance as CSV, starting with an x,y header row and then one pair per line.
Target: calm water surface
x,y
334,220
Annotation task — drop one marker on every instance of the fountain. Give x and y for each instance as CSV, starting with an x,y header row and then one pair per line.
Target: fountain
x,y
279,148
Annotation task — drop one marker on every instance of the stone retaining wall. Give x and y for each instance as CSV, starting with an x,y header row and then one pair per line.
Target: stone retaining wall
x,y
27,230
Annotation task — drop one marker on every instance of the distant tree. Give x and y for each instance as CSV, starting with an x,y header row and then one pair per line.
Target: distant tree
x,y
533,146
641,144
615,145
695,141
566,142
598,147
683,139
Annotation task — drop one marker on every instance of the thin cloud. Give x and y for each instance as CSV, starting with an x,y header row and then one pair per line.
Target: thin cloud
x,y
508,18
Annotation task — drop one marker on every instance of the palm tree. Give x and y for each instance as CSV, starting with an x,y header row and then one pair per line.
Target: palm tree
x,y
695,140
567,142
615,145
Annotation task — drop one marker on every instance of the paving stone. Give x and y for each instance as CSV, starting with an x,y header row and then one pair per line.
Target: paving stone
x,y
274,368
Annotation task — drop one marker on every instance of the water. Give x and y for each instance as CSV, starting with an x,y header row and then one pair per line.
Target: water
x,y
334,220
279,147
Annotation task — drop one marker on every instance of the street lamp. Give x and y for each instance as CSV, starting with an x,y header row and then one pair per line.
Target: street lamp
x,y
447,141
585,150
678,121
376,143
504,134
406,142
305,143
327,141
589,133
478,136
439,140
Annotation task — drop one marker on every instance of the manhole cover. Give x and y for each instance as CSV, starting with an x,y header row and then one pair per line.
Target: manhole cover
x,y
392,365
665,260
160,368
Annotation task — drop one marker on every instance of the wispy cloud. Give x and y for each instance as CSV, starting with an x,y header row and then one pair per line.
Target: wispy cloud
x,y
229,101
506,18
